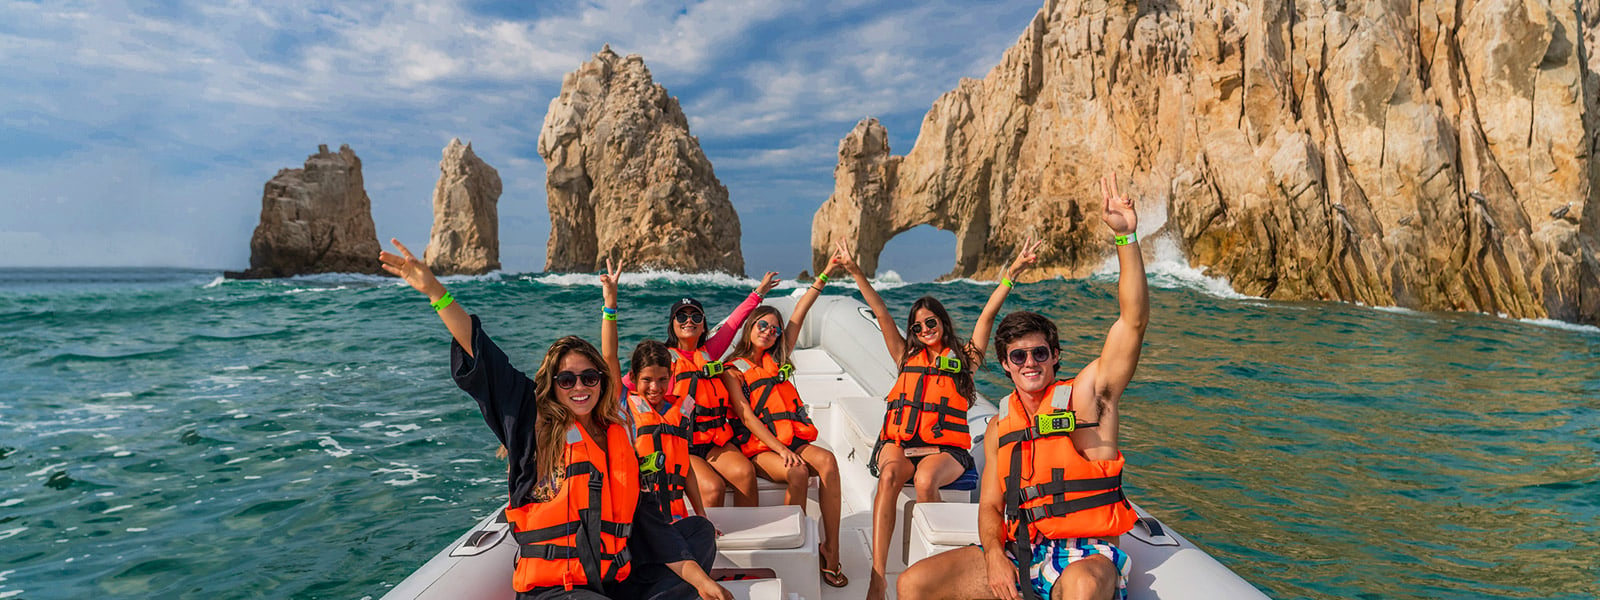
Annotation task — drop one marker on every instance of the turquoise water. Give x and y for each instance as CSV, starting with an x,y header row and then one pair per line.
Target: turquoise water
x,y
164,434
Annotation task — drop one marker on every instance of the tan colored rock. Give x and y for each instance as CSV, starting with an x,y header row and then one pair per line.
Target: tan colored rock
x,y
466,220
627,181
1434,155
315,220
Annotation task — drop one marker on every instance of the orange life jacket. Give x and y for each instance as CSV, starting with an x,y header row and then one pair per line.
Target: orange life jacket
x,y
1052,491
580,536
662,441
774,399
695,377
924,406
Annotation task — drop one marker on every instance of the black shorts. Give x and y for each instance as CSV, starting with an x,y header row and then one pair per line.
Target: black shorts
x,y
961,455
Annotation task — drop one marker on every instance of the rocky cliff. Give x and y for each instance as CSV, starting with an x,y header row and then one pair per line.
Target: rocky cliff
x,y
1429,154
627,181
315,220
466,221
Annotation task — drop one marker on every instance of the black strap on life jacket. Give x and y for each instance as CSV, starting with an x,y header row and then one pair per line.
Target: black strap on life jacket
x,y
587,547
950,418
767,386
669,486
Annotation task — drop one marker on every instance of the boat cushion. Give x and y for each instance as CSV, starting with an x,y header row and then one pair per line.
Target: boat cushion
x,y
946,523
759,527
814,362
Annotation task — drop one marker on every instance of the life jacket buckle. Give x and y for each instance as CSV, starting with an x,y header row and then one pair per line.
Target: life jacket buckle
x,y
712,369
1065,421
652,463
948,364
785,372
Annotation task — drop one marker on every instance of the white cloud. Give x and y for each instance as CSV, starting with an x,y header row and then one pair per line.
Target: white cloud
x,y
199,105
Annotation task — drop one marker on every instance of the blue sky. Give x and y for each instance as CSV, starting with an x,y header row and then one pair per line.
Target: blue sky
x,y
141,133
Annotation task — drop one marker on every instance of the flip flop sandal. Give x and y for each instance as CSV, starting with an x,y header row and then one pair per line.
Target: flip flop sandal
x,y
834,577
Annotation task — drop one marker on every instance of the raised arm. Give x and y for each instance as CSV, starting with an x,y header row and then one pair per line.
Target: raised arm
x,y
979,342
722,335
608,325
1120,356
791,332
416,273
891,333
1002,573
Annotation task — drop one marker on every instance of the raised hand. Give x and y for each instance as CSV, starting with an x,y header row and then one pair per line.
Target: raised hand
x,y
841,257
608,283
1027,256
406,266
768,281
1119,213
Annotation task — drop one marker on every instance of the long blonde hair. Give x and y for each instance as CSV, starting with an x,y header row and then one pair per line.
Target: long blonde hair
x,y
555,419
747,348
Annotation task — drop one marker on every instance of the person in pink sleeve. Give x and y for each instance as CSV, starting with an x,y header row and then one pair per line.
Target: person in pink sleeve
x,y
721,415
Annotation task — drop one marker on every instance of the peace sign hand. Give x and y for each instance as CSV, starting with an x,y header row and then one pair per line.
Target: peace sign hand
x,y
406,266
609,281
1119,213
841,256
1028,256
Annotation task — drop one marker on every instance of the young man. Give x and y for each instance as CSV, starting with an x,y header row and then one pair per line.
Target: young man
x,y
1051,506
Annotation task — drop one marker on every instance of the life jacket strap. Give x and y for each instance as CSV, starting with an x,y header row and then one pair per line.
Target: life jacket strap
x,y
1032,433
664,429
1062,508
1067,486
544,534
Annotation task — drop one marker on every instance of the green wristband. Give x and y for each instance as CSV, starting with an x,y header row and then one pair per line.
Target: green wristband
x,y
822,277
1006,281
443,301
1123,240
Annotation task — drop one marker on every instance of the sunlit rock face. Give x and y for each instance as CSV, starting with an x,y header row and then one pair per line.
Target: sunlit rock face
x,y
1434,155
316,219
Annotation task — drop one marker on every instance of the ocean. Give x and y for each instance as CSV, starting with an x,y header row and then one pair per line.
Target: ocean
x,y
169,434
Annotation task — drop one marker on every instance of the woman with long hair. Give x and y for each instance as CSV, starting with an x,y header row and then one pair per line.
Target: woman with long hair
x,y
761,361
584,527
721,418
924,438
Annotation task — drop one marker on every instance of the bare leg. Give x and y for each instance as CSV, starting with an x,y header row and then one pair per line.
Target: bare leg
x,y
1093,578
770,465
950,575
934,472
710,481
826,467
735,468
894,470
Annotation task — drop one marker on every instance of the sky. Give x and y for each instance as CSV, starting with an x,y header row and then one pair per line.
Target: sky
x,y
141,133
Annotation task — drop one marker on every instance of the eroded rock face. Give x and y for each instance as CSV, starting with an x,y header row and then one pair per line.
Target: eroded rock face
x,y
627,181
315,220
1434,155
466,220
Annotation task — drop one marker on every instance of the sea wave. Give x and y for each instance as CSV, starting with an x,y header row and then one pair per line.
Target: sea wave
x,y
1554,324
1170,269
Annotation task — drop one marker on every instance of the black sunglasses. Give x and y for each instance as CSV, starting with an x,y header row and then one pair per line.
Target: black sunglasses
x,y
688,316
1020,356
566,379
763,326
929,323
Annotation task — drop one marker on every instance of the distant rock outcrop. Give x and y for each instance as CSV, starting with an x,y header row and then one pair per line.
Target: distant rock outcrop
x,y
1433,154
315,220
626,180
466,220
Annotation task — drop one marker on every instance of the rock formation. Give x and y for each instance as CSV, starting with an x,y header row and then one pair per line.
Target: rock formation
x,y
466,222
1431,154
627,181
315,220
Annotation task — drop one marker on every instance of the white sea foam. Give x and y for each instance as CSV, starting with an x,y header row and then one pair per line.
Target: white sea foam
x,y
215,282
115,509
412,474
332,447
13,593
1554,324
47,469
888,280
1170,269
644,278
11,532
117,395
9,502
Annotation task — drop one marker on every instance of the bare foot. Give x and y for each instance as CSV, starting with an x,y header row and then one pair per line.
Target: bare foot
x,y
876,589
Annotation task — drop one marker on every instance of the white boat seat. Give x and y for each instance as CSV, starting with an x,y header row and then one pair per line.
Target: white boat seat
x,y
939,526
759,527
811,361
778,538
755,589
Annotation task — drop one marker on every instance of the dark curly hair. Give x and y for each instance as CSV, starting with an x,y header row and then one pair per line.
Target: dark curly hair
x,y
1018,324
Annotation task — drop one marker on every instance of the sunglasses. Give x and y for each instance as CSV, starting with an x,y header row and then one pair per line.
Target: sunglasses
x,y
567,379
1020,356
930,324
689,317
763,326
